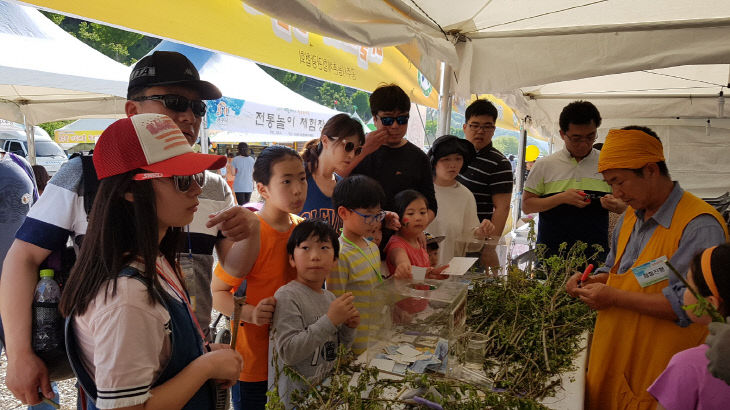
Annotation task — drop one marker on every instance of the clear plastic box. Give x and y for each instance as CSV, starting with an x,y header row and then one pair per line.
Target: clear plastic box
x,y
425,316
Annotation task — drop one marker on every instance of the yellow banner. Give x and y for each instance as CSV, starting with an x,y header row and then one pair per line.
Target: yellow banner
x,y
232,27
76,137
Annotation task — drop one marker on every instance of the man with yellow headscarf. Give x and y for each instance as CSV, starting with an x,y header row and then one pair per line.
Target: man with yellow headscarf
x,y
640,322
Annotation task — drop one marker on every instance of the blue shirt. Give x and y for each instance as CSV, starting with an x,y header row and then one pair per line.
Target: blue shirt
x,y
16,198
701,233
319,205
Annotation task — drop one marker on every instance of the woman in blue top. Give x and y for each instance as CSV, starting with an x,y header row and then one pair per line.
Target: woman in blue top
x,y
243,171
341,140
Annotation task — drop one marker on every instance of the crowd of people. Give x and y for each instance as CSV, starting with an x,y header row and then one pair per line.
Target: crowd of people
x,y
147,215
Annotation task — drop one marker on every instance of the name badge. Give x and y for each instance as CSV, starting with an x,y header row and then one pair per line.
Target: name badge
x,y
652,272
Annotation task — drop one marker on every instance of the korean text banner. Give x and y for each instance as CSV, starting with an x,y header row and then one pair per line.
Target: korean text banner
x,y
230,114
235,28
77,137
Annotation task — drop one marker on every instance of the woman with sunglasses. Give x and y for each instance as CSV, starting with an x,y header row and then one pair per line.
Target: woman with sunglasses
x,y
341,141
131,334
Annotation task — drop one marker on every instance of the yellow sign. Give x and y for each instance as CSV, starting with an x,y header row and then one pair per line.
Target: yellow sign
x,y
76,137
235,28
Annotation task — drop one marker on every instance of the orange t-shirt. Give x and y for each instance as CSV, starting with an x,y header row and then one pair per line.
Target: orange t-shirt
x,y
270,272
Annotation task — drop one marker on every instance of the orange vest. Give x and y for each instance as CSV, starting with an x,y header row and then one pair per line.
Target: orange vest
x,y
630,350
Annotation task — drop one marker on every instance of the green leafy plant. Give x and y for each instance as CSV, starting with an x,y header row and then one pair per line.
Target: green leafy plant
x,y
703,306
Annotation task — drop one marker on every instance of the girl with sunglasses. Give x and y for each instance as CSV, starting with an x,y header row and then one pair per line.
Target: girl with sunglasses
x,y
341,141
131,334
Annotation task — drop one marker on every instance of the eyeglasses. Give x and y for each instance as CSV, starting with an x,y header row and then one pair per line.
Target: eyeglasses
x,y
349,146
183,183
578,139
369,219
388,121
475,127
177,103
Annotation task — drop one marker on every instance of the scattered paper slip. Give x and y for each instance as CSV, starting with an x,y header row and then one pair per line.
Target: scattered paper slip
x,y
383,364
458,265
418,272
408,351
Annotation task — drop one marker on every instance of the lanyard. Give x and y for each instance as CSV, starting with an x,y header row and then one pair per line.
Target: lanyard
x,y
377,271
184,297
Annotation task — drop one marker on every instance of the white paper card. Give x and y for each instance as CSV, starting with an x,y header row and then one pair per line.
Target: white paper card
x,y
458,265
418,272
408,351
383,364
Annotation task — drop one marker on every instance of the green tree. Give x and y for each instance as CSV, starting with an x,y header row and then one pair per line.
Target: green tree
x,y
334,96
123,46
506,144
361,104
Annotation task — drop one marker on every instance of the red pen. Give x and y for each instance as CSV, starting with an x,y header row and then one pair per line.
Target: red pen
x,y
585,274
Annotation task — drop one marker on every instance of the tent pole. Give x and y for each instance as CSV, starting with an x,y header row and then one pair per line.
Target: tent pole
x,y
204,136
444,124
30,135
519,177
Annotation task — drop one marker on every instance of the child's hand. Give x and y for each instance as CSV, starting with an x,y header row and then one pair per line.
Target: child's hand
x,y
403,271
341,309
354,321
392,221
263,313
435,273
235,223
224,365
485,229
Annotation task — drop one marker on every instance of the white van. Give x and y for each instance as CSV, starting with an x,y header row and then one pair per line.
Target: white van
x,y
47,152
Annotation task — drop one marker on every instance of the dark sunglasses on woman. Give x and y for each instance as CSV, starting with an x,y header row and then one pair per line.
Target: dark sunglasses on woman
x,y
349,146
182,182
177,103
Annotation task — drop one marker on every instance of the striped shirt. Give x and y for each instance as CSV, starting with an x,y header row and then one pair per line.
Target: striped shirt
x,y
488,174
60,213
357,272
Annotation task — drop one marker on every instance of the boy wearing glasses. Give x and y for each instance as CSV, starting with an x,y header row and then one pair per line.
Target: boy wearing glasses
x,y
562,186
388,157
163,83
357,200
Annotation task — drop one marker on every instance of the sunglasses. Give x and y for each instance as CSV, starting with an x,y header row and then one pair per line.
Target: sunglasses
x,y
369,219
350,146
388,121
182,182
177,103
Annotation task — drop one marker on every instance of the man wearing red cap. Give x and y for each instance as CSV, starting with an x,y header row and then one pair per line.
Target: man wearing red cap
x,y
641,323
163,83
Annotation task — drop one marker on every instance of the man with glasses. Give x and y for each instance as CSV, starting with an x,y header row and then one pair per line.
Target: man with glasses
x,y
566,189
388,157
489,175
163,83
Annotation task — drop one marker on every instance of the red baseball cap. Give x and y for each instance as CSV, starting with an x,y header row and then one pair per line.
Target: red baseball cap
x,y
151,142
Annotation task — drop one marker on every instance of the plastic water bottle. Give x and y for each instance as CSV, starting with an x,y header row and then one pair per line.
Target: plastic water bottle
x,y
47,321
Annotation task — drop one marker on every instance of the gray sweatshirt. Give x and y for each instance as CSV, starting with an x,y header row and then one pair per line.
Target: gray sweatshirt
x,y
303,336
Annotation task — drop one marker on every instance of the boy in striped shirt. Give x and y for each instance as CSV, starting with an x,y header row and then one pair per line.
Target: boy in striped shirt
x,y
358,201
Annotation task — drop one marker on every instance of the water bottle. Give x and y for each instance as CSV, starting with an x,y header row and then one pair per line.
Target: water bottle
x,y
47,320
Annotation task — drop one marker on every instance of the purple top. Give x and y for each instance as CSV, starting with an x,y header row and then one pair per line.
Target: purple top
x,y
687,384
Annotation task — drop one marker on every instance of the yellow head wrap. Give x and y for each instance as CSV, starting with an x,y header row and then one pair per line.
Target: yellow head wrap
x,y
629,149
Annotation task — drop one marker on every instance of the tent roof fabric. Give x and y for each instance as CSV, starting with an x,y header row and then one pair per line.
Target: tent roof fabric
x,y
46,74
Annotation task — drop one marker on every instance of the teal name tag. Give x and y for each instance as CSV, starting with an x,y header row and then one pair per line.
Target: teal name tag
x,y
652,272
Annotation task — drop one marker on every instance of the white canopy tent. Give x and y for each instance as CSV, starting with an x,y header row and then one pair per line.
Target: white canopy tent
x,y
46,74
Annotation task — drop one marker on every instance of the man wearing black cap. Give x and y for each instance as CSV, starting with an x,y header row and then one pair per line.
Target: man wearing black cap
x,y
164,83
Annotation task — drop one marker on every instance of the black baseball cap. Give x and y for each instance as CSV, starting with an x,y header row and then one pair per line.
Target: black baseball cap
x,y
169,68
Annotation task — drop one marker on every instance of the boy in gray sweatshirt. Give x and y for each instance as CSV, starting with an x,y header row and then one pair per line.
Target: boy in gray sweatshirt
x,y
309,322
